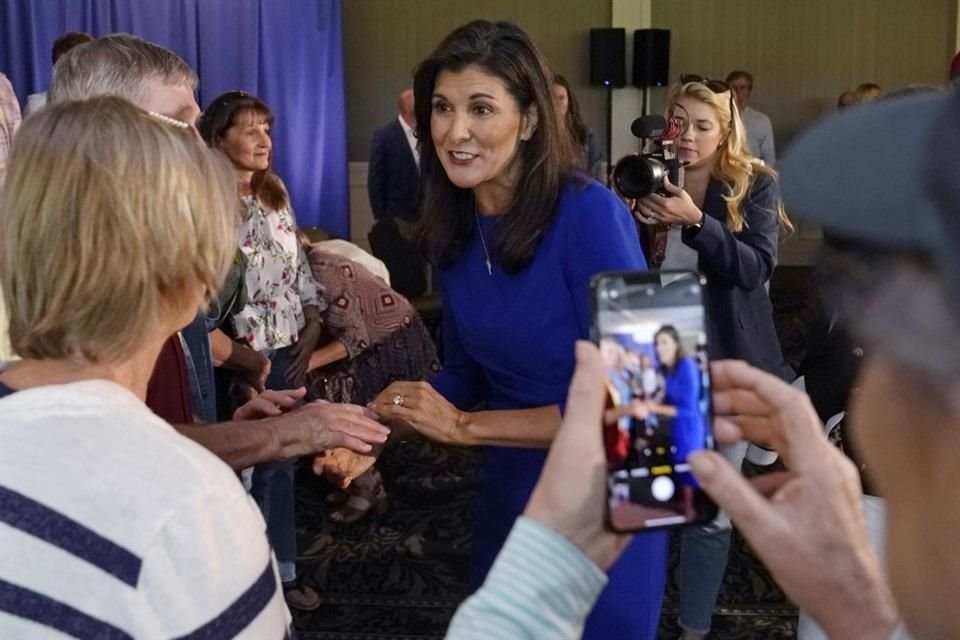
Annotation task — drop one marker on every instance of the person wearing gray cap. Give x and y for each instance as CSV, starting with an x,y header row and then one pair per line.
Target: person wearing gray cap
x,y
883,179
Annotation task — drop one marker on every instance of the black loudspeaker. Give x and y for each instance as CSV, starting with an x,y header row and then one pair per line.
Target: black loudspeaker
x,y
608,57
651,57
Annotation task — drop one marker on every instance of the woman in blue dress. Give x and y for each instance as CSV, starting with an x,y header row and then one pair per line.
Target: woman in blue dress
x,y
517,234
681,397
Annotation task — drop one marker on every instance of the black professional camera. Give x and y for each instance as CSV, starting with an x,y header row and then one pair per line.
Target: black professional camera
x,y
641,174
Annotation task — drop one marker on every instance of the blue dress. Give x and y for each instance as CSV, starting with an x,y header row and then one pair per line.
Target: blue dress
x,y
508,341
689,427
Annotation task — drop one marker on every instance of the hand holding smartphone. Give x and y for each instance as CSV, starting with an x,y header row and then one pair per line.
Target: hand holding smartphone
x,y
651,331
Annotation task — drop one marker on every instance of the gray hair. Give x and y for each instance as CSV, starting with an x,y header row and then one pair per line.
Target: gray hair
x,y
118,64
902,307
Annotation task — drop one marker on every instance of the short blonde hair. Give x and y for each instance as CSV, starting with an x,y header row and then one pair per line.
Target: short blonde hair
x,y
113,223
116,65
735,165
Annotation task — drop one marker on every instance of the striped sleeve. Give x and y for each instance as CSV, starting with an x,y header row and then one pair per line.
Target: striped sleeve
x,y
541,586
210,573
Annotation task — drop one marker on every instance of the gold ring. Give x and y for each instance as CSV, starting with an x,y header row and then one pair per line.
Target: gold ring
x,y
398,399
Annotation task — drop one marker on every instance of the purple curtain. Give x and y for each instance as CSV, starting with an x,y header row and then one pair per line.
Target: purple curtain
x,y
288,52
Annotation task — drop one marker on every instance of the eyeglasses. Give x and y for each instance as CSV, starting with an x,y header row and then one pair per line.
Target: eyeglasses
x,y
717,86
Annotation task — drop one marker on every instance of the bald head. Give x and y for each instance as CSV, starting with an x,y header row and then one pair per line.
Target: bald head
x,y
405,106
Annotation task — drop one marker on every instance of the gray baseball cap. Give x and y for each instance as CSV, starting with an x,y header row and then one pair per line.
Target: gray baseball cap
x,y
885,174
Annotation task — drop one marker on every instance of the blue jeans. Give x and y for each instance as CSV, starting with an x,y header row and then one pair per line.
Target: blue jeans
x,y
272,486
196,343
703,561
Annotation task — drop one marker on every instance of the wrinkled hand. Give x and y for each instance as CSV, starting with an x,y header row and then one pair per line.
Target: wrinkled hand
x,y
342,466
806,524
678,208
325,425
302,350
570,495
423,409
269,403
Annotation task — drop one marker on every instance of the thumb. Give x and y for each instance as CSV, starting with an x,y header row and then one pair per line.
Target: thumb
x,y
297,393
671,188
752,513
585,402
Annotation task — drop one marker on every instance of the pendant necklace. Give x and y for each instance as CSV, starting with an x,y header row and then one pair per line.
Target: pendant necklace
x,y
483,242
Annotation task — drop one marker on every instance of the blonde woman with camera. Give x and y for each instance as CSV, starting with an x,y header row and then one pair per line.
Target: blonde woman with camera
x,y
725,223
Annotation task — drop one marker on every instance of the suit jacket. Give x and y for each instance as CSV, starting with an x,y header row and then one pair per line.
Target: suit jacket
x,y
737,266
393,177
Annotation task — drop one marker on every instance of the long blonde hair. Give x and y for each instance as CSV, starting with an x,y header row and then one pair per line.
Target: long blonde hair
x,y
735,165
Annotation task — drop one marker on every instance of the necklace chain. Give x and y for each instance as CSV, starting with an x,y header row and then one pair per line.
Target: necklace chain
x,y
483,242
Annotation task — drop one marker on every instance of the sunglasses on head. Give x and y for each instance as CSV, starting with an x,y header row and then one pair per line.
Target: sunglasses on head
x,y
717,86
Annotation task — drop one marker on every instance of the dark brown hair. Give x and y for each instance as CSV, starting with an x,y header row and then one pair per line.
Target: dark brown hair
x,y
670,330
574,120
740,73
68,41
546,159
220,115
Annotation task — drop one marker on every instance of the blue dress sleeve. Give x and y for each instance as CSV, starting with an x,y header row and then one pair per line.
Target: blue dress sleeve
x,y
600,236
461,381
685,392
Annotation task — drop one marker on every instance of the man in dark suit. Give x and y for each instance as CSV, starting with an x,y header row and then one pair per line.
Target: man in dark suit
x,y
392,183
392,187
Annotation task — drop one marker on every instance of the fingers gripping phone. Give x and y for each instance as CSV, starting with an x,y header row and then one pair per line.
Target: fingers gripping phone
x,y
650,327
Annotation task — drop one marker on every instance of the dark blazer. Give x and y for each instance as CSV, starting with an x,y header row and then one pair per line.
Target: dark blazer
x,y
392,179
739,313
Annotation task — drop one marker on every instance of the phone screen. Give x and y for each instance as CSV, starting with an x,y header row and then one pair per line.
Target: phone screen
x,y
651,331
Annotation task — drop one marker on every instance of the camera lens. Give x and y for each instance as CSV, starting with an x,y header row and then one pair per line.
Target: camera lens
x,y
638,176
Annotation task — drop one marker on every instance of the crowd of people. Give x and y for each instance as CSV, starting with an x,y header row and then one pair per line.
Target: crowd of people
x,y
180,348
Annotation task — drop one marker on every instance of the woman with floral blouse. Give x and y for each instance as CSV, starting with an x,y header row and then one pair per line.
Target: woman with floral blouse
x,y
281,318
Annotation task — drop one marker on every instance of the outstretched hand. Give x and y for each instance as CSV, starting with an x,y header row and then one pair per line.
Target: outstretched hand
x,y
420,406
269,403
327,425
806,524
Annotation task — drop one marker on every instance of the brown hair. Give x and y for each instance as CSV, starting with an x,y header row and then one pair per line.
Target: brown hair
x,y
574,120
68,41
224,113
546,160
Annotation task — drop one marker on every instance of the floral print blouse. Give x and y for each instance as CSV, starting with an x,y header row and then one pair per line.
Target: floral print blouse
x,y
279,281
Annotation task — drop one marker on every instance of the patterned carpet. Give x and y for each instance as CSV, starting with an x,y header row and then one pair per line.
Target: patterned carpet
x,y
401,574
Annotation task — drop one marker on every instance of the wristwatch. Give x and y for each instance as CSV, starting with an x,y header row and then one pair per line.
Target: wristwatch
x,y
696,226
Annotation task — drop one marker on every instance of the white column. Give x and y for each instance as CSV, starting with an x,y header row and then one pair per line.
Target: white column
x,y
956,33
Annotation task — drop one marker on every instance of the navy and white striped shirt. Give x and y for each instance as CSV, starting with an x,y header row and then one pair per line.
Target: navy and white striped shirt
x,y
112,525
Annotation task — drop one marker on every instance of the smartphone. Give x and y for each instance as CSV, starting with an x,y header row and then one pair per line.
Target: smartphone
x,y
651,331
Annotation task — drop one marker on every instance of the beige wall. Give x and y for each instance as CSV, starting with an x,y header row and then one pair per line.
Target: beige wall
x,y
385,39
804,53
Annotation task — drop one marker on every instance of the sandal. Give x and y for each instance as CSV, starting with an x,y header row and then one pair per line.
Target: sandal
x,y
366,494
301,597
